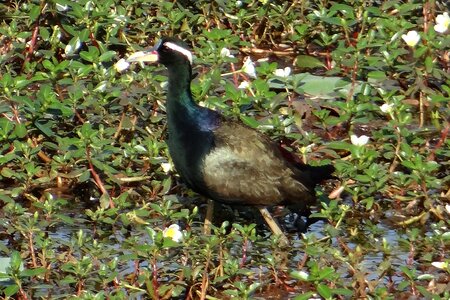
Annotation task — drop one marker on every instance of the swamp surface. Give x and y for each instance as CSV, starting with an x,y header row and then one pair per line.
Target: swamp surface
x,y
90,201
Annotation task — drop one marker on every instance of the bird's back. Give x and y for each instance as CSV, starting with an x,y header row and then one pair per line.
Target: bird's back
x,y
243,166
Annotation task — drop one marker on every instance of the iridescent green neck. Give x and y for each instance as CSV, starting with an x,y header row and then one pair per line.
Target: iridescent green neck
x,y
179,98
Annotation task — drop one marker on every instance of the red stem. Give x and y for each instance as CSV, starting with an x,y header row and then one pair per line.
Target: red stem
x,y
96,177
155,280
444,134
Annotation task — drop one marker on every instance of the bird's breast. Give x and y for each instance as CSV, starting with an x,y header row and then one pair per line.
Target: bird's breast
x,y
188,149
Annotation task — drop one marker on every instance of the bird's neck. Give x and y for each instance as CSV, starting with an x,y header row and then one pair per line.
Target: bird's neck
x,y
179,95
183,113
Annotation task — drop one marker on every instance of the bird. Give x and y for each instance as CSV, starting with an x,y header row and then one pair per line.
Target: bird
x,y
222,158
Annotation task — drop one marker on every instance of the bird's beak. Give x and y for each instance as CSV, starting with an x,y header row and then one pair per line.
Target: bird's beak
x,y
143,56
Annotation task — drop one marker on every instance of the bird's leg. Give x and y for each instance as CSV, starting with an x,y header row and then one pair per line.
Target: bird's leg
x,y
273,224
209,216
303,211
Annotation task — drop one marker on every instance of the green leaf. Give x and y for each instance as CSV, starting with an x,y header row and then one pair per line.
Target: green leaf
x,y
339,145
324,291
6,80
20,130
409,164
232,293
429,64
34,12
4,263
44,33
427,295
87,56
425,277
85,176
325,273
346,9
11,290
16,261
21,82
45,127
104,201
77,11
307,61
300,275
48,65
92,55
66,219
5,199
6,126
333,21
101,165
304,296
169,243
62,65
420,50
73,46
377,75
33,272
107,56
7,158
342,291
407,272
363,178
249,121
323,86
402,285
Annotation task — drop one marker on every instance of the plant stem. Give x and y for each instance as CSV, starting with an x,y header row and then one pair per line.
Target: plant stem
x,y
205,278
155,279
244,252
30,245
397,151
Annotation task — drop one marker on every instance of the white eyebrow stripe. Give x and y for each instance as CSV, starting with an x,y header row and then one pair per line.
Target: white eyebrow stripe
x,y
180,49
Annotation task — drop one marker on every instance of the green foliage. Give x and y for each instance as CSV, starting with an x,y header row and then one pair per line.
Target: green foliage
x,y
87,188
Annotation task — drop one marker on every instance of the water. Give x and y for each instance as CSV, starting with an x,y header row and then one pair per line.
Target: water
x,y
356,249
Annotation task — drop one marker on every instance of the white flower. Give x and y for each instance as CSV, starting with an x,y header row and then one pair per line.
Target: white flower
x,y
225,52
173,232
411,38
166,167
121,65
61,8
282,72
447,208
440,264
307,149
89,6
238,3
248,67
387,108
244,85
442,23
359,141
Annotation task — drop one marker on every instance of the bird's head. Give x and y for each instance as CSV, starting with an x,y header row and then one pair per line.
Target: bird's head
x,y
168,51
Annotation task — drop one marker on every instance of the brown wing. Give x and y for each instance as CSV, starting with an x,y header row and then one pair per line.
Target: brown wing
x,y
247,168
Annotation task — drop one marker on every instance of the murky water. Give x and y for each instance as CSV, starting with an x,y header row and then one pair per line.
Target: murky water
x,y
375,264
